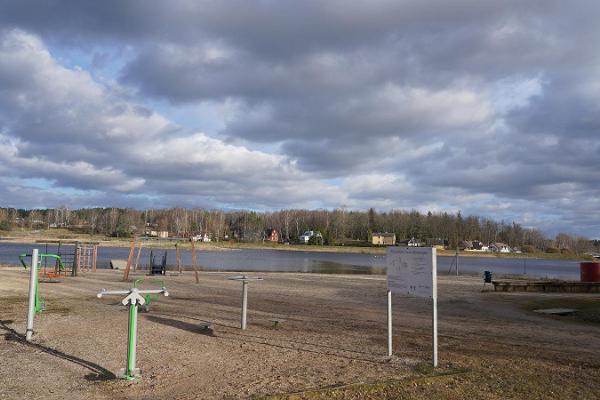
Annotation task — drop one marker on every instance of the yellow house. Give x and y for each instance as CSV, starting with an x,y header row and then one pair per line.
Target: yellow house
x,y
383,239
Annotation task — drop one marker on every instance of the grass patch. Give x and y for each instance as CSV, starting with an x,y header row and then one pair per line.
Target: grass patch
x,y
588,308
488,377
376,390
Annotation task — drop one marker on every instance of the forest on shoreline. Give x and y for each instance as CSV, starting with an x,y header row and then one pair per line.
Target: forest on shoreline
x,y
338,226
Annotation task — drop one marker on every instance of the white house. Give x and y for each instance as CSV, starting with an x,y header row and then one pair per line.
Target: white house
x,y
500,248
305,237
414,242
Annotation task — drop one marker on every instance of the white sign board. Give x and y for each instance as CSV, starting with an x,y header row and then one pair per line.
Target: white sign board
x,y
412,271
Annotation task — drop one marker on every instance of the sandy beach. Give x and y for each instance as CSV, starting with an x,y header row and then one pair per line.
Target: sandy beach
x,y
329,341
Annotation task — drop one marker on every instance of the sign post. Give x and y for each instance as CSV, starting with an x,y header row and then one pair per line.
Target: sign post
x,y
412,271
133,299
389,321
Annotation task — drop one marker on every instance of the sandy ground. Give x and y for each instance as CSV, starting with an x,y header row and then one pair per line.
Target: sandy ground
x,y
333,334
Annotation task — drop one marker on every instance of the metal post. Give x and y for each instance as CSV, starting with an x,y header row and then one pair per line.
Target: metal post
x,y
32,292
94,258
131,373
389,322
457,261
137,258
244,302
435,332
194,262
245,279
133,300
75,260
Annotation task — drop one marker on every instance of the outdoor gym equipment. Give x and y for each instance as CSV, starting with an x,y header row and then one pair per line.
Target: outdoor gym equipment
x,y
38,300
149,298
58,268
244,279
33,294
133,299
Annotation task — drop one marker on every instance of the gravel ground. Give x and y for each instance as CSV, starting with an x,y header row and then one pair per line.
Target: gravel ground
x,y
332,332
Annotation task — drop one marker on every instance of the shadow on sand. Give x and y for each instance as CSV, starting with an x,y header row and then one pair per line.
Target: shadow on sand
x,y
203,328
97,373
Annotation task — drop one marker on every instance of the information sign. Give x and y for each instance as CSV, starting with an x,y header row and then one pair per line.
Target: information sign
x,y
411,271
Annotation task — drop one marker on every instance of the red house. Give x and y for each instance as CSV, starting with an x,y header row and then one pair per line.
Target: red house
x,y
271,235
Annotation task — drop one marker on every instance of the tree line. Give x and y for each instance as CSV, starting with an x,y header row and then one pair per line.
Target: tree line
x,y
338,226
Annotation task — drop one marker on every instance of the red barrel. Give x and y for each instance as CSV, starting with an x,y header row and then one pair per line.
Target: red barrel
x,y
590,271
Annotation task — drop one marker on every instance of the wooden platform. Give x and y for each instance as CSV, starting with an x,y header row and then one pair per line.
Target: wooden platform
x,y
546,286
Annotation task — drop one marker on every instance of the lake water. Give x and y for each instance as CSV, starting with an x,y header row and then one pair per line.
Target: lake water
x,y
312,261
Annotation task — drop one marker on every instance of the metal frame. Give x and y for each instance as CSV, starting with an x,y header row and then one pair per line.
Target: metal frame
x,y
133,299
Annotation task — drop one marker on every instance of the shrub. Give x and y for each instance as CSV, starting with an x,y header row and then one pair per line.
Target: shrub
x,y
316,239
4,225
552,250
122,233
528,249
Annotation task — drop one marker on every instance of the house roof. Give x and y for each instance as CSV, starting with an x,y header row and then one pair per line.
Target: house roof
x,y
384,234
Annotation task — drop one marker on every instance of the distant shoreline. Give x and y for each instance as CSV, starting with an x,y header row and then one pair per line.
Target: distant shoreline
x,y
227,246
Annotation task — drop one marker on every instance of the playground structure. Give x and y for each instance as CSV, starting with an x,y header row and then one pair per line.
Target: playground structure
x,y
133,299
75,255
154,267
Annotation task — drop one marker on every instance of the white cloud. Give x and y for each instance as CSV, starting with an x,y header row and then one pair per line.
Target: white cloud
x,y
486,107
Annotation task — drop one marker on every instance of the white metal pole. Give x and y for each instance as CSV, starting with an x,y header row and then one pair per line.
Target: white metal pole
x,y
244,302
32,289
389,322
435,332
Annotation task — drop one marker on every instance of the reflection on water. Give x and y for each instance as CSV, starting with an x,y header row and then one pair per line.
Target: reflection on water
x,y
315,262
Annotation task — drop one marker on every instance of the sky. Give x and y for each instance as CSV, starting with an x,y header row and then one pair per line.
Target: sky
x,y
487,107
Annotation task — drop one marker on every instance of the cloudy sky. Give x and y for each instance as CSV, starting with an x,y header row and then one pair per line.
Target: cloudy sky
x,y
489,108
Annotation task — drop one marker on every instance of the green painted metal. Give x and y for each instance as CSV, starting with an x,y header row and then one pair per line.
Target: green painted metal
x,y
149,298
39,300
135,298
130,373
61,266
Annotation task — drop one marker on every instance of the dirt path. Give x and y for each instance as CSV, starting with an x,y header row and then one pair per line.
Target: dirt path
x,y
333,333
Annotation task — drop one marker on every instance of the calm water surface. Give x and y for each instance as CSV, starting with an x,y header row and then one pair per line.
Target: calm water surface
x,y
311,261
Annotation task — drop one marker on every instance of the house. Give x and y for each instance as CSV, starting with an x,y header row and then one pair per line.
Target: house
x,y
438,243
477,245
432,242
383,239
163,234
466,245
414,242
271,235
500,247
306,236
